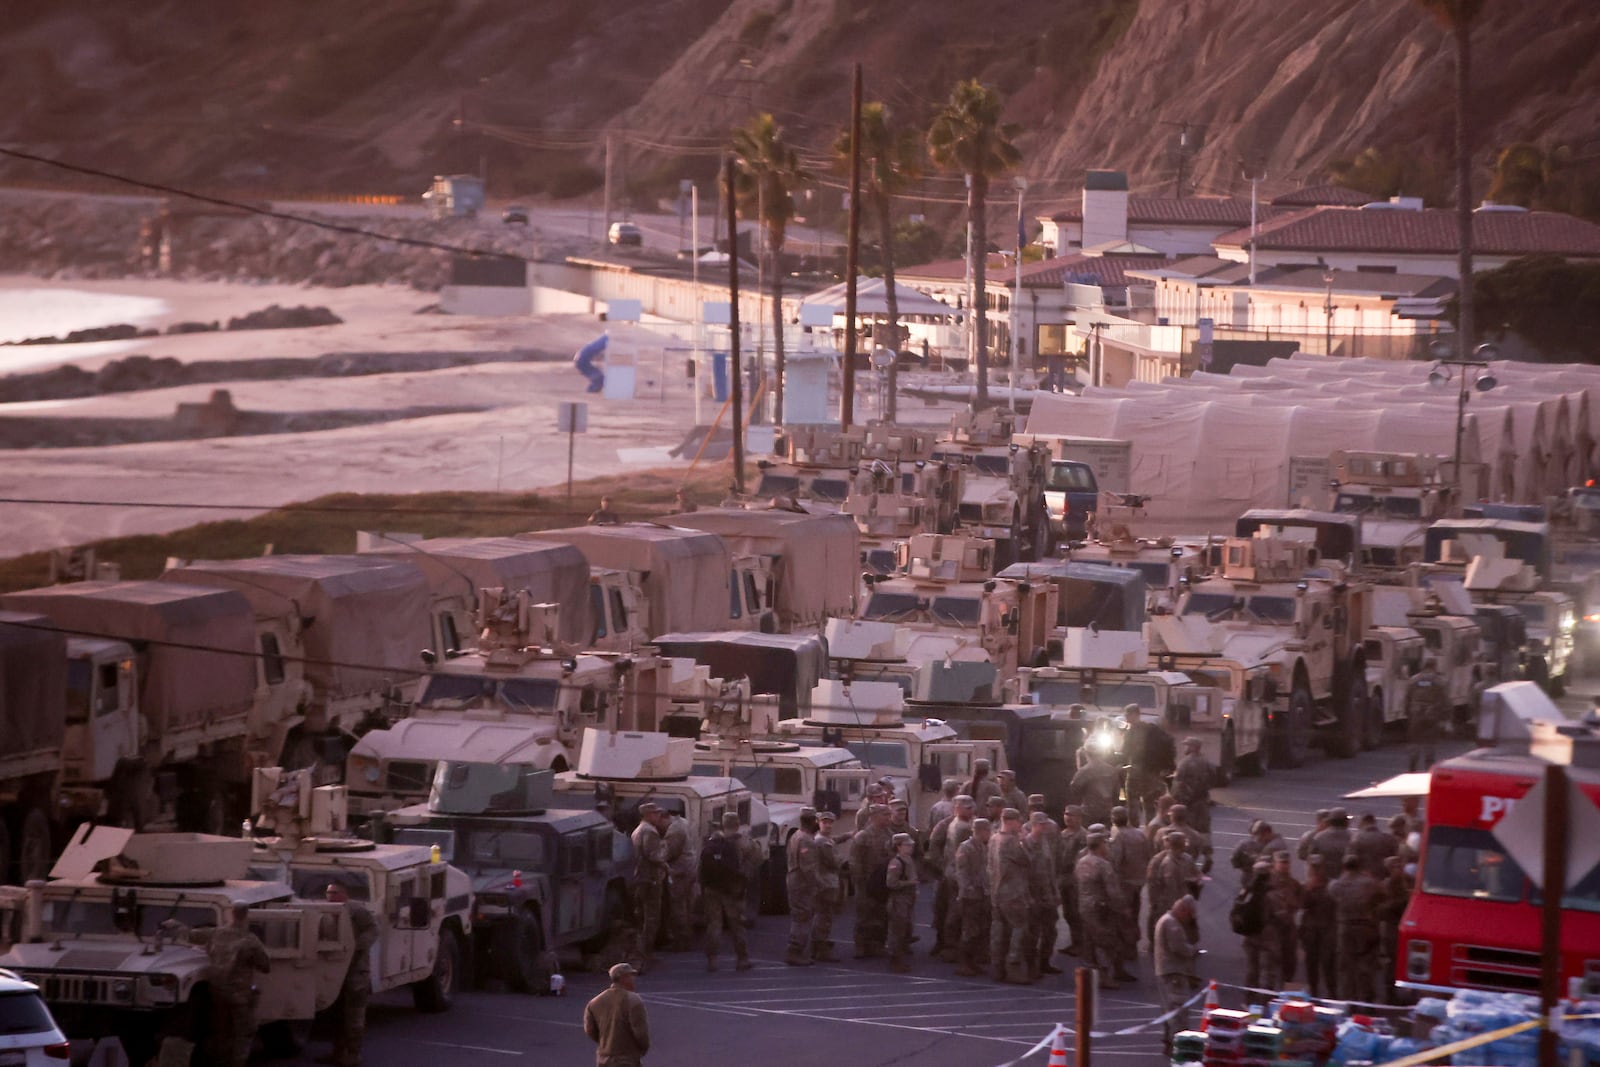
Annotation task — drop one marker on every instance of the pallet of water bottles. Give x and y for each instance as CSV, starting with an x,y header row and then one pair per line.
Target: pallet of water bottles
x,y
1471,1028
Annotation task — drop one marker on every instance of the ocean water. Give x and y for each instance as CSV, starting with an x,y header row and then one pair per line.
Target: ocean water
x,y
28,313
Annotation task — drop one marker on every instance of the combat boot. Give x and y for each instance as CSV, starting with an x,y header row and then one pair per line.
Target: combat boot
x,y
1016,973
1046,967
711,963
743,964
822,952
797,956
898,965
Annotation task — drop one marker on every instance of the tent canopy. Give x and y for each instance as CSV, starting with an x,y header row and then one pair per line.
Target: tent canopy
x,y
872,299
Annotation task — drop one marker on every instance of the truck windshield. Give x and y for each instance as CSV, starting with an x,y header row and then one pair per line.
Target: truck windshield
x,y
778,485
1532,610
89,918
879,753
80,684
1059,692
468,690
834,489
1071,478
994,466
962,611
505,848
1156,575
891,606
1470,863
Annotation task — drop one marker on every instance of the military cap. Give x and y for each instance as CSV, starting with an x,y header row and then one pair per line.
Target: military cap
x,y
1008,773
1262,826
1075,709
649,807
897,802
1323,813
1118,809
1132,709
1177,810
877,809
1398,822
1281,854
1097,828
874,789
1256,825
963,798
1338,815
984,823
996,799
1178,837
903,839
1191,742
826,816
1075,809
807,810
730,818
1097,839
1039,817
1035,798
1011,815
980,764
621,970
1368,819
1261,866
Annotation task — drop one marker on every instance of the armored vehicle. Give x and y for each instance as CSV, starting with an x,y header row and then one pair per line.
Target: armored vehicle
x,y
95,945
1391,485
1394,654
542,877
1003,494
1162,562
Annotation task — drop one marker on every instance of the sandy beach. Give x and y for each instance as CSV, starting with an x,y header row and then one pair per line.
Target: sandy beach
x,y
511,444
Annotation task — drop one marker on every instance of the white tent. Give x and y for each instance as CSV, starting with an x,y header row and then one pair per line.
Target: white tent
x,y
872,299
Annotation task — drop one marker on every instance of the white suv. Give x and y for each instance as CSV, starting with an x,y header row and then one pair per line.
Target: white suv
x,y
29,1036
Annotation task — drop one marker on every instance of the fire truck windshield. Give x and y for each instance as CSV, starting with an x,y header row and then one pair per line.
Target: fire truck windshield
x,y
1470,863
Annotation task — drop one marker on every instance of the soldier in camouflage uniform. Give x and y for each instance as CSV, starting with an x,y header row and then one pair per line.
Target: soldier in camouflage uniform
x,y
1009,793
1355,898
830,890
1373,846
1095,788
649,879
869,858
683,876
945,806
900,878
1163,817
1191,784
1130,855
1009,870
357,988
1427,707
804,883
723,888
971,866
1044,897
1172,875
1073,839
1332,841
1394,895
943,840
235,956
981,786
1100,900
1197,844
1318,930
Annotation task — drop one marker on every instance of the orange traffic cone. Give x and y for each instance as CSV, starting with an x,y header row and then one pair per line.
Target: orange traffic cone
x,y
1058,1049
1212,1001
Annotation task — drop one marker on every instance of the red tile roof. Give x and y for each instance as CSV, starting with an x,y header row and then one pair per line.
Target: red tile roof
x,y
1110,270
945,270
1185,211
1430,231
1316,195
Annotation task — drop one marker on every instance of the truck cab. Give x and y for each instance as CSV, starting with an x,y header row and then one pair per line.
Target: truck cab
x,y
1002,497
1402,486
542,877
1394,655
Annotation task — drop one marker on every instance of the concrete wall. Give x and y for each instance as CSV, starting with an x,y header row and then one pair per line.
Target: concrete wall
x,y
484,300
548,301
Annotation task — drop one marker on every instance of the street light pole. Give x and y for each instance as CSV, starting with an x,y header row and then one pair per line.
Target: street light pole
x,y
1482,383
1016,297
1327,313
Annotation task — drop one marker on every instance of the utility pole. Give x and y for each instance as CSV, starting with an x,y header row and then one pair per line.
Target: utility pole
x,y
733,326
1328,309
1255,176
1183,152
605,217
1016,300
847,398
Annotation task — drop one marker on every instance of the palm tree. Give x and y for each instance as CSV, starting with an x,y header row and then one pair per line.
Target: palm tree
x,y
890,158
769,173
968,138
1458,17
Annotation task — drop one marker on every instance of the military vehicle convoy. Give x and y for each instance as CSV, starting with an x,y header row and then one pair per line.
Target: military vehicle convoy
x,y
543,877
1003,493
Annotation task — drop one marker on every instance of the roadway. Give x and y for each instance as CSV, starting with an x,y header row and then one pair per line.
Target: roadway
x,y
856,1013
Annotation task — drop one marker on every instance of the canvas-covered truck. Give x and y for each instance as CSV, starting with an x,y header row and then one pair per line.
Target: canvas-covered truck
x,y
457,567
96,946
170,697
359,621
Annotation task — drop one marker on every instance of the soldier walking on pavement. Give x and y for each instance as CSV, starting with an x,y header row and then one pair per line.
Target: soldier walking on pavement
x,y
900,879
357,988
1009,869
1191,784
235,956
649,879
1176,947
1262,844
1100,899
1151,756
971,867
615,1021
1172,874
1074,838
722,891
804,883
1130,855
1318,931
1426,708
1355,898
869,862
830,890
1044,898
683,867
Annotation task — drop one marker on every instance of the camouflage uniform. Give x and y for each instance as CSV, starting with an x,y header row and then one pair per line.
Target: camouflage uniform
x,y
1331,843
1130,856
235,955
1372,846
1171,876
1100,899
649,880
1009,868
1355,898
357,989
973,896
1175,946
1071,847
901,880
683,874
980,787
1197,844
1269,954
830,897
1191,787
1150,755
803,882
943,842
1318,929
1394,895
869,851
1095,788
1426,711
1043,902
1014,797
723,901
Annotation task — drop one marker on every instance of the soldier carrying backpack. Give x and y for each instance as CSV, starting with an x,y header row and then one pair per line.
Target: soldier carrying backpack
x,y
722,890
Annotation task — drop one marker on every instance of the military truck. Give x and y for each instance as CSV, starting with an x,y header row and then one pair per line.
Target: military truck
x,y
423,906
811,463
543,877
1279,605
171,699
518,697
1394,654
1163,562
1002,496
1391,485
95,945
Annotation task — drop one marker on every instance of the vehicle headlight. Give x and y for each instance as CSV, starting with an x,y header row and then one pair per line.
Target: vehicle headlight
x,y
122,989
1419,960
363,770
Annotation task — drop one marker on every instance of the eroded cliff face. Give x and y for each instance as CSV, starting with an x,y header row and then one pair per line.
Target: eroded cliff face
x,y
308,95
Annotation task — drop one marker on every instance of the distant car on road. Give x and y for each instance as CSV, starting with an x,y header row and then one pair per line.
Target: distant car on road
x,y
514,215
625,233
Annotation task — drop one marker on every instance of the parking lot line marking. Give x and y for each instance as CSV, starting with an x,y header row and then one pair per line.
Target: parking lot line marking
x,y
871,1022
473,1048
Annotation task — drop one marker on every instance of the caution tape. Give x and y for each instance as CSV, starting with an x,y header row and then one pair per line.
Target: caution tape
x,y
1419,1058
1062,1028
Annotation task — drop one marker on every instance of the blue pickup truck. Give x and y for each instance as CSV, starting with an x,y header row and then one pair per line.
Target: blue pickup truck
x,y
1070,496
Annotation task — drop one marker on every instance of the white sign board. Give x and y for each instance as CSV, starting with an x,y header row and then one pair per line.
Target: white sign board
x,y
716,313
1521,834
624,310
572,416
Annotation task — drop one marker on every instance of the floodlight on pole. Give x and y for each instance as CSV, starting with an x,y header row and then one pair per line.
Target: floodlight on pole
x,y
1482,382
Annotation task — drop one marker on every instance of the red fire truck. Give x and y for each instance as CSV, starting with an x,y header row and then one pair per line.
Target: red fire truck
x,y
1474,919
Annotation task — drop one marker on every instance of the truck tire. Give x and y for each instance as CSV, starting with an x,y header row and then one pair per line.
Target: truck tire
x,y
35,850
523,942
1350,714
1291,734
437,992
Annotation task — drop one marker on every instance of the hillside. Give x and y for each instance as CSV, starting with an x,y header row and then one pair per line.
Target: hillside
x,y
301,96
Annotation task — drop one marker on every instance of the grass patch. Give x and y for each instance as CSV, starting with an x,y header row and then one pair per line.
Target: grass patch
x,y
328,524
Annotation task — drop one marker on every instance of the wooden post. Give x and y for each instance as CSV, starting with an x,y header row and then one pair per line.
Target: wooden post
x,y
1085,1015
1555,886
852,251
737,387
